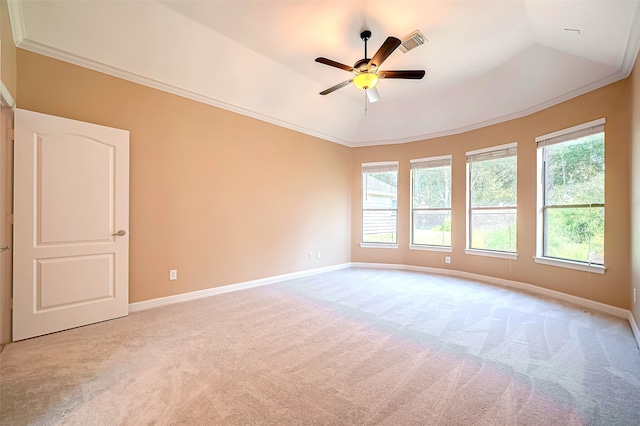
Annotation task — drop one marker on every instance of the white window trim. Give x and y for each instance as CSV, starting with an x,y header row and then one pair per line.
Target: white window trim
x,y
426,159
493,148
597,269
380,163
425,247
379,245
573,129
491,253
481,252
539,257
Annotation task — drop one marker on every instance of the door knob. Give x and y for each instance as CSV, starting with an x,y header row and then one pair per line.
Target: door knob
x,y
3,248
120,233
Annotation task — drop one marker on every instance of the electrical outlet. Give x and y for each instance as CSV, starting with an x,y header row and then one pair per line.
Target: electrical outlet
x,y
447,259
310,255
318,255
173,274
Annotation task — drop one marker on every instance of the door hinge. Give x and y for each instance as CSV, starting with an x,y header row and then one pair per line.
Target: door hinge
x,y
10,134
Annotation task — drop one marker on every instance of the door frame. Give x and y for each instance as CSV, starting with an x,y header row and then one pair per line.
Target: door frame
x,y
6,211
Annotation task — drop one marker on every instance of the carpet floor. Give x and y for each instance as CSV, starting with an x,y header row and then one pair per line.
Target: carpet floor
x,y
355,346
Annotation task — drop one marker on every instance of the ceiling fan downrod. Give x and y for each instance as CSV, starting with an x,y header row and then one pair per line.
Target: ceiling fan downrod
x,y
365,35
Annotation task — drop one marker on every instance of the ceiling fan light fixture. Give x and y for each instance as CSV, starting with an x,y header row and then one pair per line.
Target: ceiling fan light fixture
x,y
367,71
365,80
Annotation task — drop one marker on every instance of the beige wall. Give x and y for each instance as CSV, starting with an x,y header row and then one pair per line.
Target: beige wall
x,y
612,288
634,83
7,51
225,198
219,196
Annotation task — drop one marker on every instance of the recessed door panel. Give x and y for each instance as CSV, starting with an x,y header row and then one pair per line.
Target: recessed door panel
x,y
75,178
64,282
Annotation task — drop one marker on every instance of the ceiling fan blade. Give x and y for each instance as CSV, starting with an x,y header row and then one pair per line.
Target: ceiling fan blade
x,y
413,74
387,48
373,95
336,87
335,64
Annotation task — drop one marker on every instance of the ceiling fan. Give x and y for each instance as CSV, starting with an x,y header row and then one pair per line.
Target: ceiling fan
x,y
367,71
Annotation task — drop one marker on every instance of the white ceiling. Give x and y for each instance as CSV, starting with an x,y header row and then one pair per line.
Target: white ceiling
x,y
486,61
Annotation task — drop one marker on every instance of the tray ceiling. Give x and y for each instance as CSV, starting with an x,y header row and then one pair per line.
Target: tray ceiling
x,y
486,61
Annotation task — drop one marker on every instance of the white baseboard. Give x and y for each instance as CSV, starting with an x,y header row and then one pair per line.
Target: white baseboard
x,y
183,297
634,328
590,304
579,301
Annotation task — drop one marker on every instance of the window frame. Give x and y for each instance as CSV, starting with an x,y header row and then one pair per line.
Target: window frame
x,y
511,255
561,136
382,165
412,209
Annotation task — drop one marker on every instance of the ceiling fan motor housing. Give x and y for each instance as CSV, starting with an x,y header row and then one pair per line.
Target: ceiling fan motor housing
x,y
361,65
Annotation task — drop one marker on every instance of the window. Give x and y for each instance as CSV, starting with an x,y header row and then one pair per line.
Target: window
x,y
431,202
571,194
379,203
492,196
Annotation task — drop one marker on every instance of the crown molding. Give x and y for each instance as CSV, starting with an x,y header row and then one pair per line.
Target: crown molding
x,y
199,97
22,41
611,78
17,21
6,99
633,45
45,50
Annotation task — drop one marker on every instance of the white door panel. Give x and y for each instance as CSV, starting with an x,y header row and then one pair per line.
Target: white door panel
x,y
71,195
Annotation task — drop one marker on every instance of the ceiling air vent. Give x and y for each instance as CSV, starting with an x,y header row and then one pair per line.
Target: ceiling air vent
x,y
412,41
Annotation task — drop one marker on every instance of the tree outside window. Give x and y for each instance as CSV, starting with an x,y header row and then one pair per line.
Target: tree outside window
x,y
573,196
492,183
431,201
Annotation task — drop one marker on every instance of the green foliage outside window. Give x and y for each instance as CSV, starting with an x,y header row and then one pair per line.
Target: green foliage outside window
x,y
574,184
431,193
432,187
494,182
494,186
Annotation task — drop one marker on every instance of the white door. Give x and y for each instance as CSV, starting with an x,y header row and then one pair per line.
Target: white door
x,y
71,223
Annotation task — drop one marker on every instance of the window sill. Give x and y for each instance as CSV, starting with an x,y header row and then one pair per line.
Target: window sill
x,y
596,269
487,253
430,248
379,245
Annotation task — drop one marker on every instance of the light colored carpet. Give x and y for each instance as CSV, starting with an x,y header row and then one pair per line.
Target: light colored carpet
x,y
355,346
